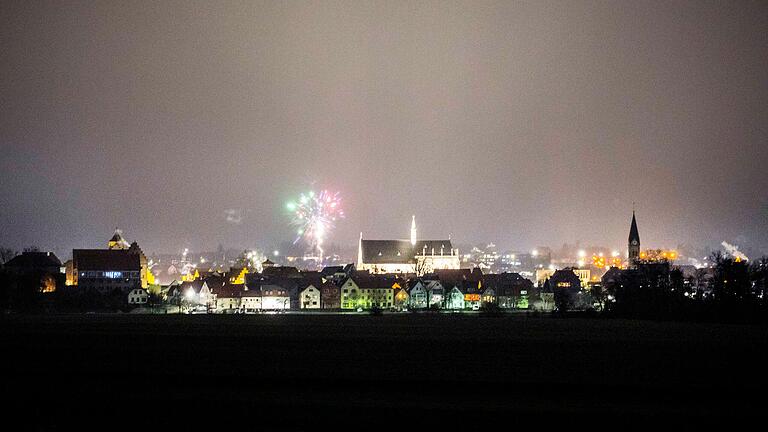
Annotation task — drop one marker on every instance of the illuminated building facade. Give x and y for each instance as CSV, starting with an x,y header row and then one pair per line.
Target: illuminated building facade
x,y
367,291
310,297
274,297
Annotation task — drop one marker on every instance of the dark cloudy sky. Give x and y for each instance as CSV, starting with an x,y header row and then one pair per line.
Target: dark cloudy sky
x,y
525,124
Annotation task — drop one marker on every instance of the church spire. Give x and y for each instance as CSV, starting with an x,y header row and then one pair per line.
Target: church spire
x,y
117,241
360,252
413,230
634,240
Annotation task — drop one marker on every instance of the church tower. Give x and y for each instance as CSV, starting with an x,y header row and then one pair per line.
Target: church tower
x,y
634,241
413,230
117,241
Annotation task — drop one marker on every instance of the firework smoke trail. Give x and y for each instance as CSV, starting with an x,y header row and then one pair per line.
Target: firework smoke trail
x,y
734,251
315,215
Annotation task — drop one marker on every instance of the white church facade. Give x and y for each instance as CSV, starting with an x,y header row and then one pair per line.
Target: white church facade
x,y
412,256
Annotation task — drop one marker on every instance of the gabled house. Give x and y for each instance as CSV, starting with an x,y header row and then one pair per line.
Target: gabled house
x,y
41,269
138,296
565,279
454,299
401,299
330,296
436,293
228,297
418,295
193,293
309,297
511,289
472,294
350,294
488,296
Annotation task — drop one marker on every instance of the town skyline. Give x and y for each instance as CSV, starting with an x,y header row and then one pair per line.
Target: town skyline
x,y
347,252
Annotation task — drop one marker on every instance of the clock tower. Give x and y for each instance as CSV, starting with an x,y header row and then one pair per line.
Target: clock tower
x,y
634,241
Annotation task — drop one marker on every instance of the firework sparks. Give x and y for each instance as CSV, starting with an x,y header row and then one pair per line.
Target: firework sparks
x,y
315,216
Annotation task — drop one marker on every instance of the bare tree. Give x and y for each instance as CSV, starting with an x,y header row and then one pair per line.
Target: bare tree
x,y
421,266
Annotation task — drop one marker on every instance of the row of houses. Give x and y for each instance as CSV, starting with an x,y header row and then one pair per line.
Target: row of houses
x,y
351,290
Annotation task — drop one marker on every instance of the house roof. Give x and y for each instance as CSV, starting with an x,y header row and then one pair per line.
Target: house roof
x,y
400,251
280,271
250,293
196,286
506,284
565,275
313,286
331,270
374,281
34,260
106,259
465,279
228,290
314,280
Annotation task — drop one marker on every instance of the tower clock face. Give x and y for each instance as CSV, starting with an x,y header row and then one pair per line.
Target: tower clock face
x,y
634,242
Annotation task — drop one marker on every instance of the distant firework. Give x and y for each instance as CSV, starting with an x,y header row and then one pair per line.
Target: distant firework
x,y
315,216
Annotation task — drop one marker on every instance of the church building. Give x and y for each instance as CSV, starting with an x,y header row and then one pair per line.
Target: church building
x,y
406,256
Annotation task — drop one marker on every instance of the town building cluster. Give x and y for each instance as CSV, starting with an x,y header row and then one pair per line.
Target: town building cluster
x,y
391,275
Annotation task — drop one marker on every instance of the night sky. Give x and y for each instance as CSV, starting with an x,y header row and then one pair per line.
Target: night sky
x,y
190,124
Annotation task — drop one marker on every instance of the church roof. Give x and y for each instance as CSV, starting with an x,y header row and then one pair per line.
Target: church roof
x,y
400,251
633,234
374,281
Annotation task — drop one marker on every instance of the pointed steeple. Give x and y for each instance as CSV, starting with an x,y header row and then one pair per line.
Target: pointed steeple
x,y
413,230
360,251
633,245
633,234
117,241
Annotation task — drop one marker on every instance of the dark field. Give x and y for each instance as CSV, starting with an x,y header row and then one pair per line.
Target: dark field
x,y
299,372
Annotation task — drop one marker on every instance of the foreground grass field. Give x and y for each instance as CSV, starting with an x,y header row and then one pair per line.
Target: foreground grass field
x,y
291,371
